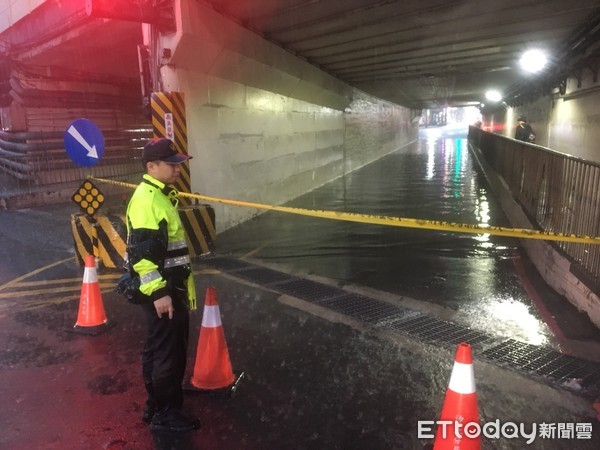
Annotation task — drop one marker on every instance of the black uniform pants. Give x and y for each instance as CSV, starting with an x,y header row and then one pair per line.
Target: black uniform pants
x,y
165,352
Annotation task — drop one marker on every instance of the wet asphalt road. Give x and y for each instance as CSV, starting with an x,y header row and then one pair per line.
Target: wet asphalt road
x,y
315,379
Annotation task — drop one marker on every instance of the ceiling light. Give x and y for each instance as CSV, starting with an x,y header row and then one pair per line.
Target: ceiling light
x,y
533,60
493,96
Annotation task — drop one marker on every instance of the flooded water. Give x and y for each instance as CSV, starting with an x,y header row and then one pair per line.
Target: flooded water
x,y
436,178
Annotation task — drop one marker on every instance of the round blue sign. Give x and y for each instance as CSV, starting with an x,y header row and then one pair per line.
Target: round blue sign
x,y
84,142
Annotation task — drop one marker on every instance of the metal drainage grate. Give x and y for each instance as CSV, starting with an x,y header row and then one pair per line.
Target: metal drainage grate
x,y
412,322
362,308
589,373
545,362
309,290
518,355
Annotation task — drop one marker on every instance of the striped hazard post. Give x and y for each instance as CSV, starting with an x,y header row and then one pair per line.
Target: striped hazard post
x,y
168,121
458,427
199,224
106,235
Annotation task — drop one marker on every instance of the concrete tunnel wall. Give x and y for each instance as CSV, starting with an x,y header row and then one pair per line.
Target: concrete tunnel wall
x,y
263,125
567,123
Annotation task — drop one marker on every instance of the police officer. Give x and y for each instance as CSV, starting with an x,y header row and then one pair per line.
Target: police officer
x,y
157,254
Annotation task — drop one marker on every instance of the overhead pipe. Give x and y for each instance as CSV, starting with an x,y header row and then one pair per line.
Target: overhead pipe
x,y
16,167
9,154
30,135
141,11
30,146
140,133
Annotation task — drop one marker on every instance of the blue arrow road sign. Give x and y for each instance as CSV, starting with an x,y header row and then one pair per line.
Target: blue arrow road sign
x,y
84,142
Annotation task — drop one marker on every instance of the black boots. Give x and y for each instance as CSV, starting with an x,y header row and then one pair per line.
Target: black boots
x,y
163,407
167,419
149,410
150,405
171,419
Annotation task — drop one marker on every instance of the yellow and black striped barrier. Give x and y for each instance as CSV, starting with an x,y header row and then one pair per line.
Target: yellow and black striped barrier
x,y
103,236
168,121
107,234
199,224
394,221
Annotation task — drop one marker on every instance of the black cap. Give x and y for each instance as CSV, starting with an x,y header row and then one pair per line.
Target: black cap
x,y
522,118
163,149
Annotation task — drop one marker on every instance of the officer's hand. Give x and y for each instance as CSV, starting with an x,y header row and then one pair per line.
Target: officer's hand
x,y
164,305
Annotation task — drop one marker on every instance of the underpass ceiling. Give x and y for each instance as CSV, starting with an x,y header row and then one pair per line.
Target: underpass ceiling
x,y
418,53
115,54
61,36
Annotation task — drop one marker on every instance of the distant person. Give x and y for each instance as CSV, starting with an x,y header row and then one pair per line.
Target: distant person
x,y
159,259
524,131
477,124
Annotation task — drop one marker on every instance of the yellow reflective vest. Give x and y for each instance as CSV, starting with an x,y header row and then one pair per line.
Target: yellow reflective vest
x,y
157,251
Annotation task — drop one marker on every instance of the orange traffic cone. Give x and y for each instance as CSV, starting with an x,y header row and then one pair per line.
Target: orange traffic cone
x,y
460,407
212,370
91,318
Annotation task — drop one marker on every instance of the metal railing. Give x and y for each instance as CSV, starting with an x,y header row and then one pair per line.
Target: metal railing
x,y
560,193
33,159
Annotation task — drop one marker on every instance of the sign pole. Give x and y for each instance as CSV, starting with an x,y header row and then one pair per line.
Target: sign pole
x,y
95,248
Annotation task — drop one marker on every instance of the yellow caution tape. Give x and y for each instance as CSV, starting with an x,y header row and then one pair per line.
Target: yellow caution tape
x,y
394,221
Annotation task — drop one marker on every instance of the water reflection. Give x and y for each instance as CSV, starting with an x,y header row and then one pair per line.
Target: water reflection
x,y
434,179
512,317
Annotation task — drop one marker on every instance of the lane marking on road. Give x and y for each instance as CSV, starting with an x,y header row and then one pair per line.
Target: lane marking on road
x,y
22,289
36,271
57,290
256,250
108,276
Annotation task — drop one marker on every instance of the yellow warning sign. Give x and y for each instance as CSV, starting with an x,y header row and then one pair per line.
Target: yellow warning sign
x,y
88,197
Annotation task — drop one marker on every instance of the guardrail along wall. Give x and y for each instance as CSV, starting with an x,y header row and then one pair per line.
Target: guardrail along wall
x,y
558,192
